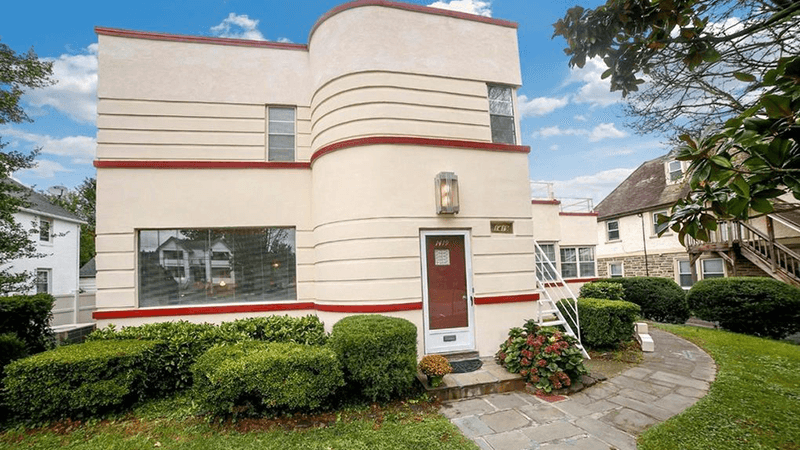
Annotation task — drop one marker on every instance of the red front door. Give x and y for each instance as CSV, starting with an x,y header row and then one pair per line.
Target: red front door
x,y
447,282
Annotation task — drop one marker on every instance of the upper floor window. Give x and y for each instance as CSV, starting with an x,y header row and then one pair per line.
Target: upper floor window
x,y
45,226
501,114
675,170
281,138
42,281
612,230
656,226
577,262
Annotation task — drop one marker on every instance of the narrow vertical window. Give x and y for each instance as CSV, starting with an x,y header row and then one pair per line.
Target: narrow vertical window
x,y
544,270
281,134
501,114
684,274
612,226
42,281
675,170
44,230
657,228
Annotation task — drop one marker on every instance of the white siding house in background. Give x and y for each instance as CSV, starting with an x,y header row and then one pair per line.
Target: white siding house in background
x,y
58,241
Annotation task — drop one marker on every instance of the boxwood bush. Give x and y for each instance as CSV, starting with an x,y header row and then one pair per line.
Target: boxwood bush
x,y
758,306
661,299
250,378
604,323
603,289
80,380
301,330
28,316
379,354
11,349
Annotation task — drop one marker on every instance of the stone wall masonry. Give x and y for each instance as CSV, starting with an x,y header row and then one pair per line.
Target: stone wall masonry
x,y
659,265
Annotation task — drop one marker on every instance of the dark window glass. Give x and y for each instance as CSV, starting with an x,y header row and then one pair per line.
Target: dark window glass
x,y
501,114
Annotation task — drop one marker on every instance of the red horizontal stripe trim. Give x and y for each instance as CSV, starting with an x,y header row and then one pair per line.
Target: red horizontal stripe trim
x,y
592,214
204,310
408,7
197,310
418,141
545,202
197,39
140,164
369,308
506,299
553,284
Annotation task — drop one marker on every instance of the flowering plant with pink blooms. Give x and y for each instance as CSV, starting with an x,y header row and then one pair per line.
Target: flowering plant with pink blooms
x,y
547,358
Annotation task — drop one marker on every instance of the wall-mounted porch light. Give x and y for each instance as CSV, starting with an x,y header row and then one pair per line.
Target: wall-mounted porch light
x,y
446,193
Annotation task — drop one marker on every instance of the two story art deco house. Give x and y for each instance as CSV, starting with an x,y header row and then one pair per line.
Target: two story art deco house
x,y
376,169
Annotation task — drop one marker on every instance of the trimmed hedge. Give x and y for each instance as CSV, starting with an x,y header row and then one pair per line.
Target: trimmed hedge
x,y
604,323
603,289
80,380
11,349
758,306
307,330
28,316
661,299
255,377
379,354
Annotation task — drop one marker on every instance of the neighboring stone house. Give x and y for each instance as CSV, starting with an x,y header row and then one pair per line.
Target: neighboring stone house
x,y
629,244
376,169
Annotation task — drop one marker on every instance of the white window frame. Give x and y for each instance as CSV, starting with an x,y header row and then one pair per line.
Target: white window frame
x,y
270,133
541,264
489,87
705,273
670,171
609,230
679,273
655,229
578,261
621,269
48,280
48,236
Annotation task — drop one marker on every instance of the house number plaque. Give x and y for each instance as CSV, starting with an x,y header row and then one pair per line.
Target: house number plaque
x,y
502,227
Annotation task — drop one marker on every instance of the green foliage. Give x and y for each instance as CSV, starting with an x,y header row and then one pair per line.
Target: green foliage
x,y
28,317
12,348
301,330
545,357
251,378
81,201
661,299
758,306
379,354
744,167
80,380
603,289
604,323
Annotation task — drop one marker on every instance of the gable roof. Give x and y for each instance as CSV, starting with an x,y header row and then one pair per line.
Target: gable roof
x,y
38,203
645,189
88,270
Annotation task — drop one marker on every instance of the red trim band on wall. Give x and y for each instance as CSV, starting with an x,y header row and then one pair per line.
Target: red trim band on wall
x,y
418,141
589,214
197,39
506,299
408,7
139,164
204,310
545,202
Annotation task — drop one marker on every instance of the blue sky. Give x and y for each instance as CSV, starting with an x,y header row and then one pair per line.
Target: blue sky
x,y
574,126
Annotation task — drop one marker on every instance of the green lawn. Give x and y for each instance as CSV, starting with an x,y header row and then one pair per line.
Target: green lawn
x,y
753,404
172,424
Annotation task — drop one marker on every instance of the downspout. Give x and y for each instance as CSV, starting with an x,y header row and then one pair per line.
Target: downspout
x,y
644,245
77,278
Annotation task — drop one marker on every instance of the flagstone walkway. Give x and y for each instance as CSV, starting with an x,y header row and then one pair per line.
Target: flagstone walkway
x,y
608,415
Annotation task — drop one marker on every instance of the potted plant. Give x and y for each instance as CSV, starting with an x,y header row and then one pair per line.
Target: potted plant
x,y
435,367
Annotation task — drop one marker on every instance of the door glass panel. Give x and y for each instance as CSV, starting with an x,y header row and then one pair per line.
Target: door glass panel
x,y
447,282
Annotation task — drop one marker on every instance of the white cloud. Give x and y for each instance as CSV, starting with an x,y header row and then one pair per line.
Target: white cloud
x,y
476,7
594,90
547,132
44,169
596,186
75,91
580,118
80,148
606,131
285,40
539,106
554,148
238,27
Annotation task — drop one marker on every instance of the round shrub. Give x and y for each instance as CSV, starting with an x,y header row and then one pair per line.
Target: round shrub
x,y
251,378
603,289
758,306
307,330
379,354
79,380
661,299
11,349
604,323
28,316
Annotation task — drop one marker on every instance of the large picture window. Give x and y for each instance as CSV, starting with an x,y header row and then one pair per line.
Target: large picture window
x,y
212,266
577,262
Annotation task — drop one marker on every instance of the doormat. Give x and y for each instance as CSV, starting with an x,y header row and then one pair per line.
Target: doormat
x,y
469,365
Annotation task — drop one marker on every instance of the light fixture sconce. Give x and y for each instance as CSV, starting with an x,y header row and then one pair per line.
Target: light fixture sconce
x,y
446,193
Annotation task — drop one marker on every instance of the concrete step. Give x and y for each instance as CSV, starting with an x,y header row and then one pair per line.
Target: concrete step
x,y
461,356
489,379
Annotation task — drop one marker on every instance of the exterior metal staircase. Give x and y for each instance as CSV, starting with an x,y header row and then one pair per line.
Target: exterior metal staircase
x,y
549,314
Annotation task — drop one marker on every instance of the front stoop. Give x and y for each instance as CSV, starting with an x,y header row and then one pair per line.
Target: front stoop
x,y
489,379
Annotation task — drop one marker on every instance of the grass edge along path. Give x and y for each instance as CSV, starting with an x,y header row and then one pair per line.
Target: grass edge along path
x,y
172,424
754,403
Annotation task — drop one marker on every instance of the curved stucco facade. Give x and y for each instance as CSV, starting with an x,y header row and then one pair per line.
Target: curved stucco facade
x,y
182,143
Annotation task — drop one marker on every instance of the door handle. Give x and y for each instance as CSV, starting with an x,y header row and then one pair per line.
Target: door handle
x,y
464,297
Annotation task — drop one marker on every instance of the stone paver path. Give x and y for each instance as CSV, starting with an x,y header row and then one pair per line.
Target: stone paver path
x,y
608,415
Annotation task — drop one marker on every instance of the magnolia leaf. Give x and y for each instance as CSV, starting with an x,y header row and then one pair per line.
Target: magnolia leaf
x,y
721,161
740,186
777,106
746,77
761,205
